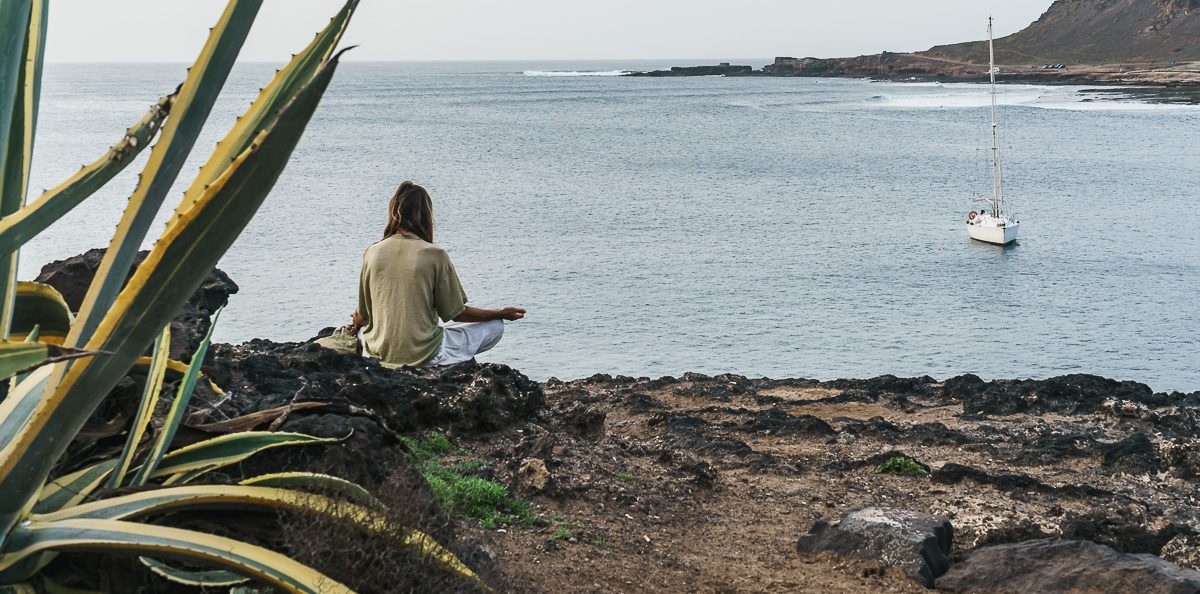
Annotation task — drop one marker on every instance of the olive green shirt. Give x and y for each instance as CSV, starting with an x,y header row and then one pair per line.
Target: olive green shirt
x,y
405,286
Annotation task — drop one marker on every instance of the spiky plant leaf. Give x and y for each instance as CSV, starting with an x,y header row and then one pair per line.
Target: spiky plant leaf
x,y
271,99
213,578
188,250
19,356
175,371
21,53
111,536
226,450
43,307
175,499
312,480
18,228
191,109
178,407
73,488
150,395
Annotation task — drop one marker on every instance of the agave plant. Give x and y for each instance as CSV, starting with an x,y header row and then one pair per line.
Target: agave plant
x,y
61,365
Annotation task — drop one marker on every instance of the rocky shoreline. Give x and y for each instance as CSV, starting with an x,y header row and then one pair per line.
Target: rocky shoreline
x,y
1155,83
726,483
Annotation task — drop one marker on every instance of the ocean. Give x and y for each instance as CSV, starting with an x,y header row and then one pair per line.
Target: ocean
x,y
779,227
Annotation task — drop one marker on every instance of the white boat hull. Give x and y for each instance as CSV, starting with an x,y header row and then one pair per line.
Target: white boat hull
x,y
996,235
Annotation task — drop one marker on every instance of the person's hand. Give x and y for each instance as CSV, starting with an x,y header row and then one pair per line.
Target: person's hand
x,y
511,313
357,319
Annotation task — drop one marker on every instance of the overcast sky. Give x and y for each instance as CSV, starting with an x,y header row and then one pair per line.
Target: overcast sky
x,y
173,30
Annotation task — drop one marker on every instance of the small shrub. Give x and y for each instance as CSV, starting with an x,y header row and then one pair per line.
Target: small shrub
x,y
902,465
563,533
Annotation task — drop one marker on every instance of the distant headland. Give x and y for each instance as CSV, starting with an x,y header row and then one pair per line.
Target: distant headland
x,y
1143,42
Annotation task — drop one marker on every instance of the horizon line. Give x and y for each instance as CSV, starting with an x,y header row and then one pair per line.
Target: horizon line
x,y
432,61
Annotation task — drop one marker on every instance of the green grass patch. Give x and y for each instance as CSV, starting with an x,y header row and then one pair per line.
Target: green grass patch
x,y
563,533
462,494
597,542
625,476
427,446
902,465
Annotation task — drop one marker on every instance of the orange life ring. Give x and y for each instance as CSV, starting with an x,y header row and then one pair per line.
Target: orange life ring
x,y
971,216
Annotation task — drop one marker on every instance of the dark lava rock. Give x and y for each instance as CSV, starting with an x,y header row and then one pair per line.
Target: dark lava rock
x,y
778,422
1052,565
1134,454
72,276
917,543
1068,394
261,374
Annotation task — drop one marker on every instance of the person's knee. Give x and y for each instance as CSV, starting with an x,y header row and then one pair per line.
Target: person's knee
x,y
493,332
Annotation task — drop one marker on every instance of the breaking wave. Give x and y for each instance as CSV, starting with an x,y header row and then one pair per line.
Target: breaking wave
x,y
576,72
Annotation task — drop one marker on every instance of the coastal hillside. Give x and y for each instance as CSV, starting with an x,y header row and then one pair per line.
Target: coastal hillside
x,y
1141,42
1096,32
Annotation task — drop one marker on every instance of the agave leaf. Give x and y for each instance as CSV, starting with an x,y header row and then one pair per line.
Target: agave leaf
x,y
73,488
18,228
207,497
225,450
178,406
192,106
188,250
214,578
16,357
175,499
175,372
41,306
324,482
154,383
113,536
271,99
21,53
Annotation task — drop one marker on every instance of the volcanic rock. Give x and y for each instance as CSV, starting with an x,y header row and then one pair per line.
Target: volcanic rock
x,y
915,542
1053,565
72,276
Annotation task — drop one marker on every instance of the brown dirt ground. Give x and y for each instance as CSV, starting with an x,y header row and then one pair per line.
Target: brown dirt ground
x,y
679,486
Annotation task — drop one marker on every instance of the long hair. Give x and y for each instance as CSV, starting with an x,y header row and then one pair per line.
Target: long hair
x,y
411,210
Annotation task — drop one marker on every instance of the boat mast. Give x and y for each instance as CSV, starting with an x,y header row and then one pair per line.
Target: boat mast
x,y
997,177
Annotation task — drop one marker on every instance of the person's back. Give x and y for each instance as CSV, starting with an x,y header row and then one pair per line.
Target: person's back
x,y
406,285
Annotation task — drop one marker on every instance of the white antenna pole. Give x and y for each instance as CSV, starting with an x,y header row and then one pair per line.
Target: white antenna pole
x,y
997,179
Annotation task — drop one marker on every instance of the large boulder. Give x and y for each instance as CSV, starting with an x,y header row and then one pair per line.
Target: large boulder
x,y
917,543
1054,565
74,275
261,374
1067,394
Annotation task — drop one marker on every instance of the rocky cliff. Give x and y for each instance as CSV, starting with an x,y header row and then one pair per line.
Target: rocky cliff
x,y
1095,32
1075,41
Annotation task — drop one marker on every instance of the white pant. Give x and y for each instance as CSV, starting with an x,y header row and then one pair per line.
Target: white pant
x,y
461,341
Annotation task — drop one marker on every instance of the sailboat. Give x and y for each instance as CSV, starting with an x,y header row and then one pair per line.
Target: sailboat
x,y
992,224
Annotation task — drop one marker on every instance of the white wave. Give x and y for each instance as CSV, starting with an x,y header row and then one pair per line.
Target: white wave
x,y
576,72
969,96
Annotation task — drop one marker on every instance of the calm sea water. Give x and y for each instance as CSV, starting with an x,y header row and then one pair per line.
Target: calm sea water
x,y
778,227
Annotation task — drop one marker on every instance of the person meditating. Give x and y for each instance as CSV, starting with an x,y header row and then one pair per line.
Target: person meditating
x,y
408,283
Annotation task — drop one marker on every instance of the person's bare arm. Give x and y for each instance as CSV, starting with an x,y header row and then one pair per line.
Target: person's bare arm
x,y
479,314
